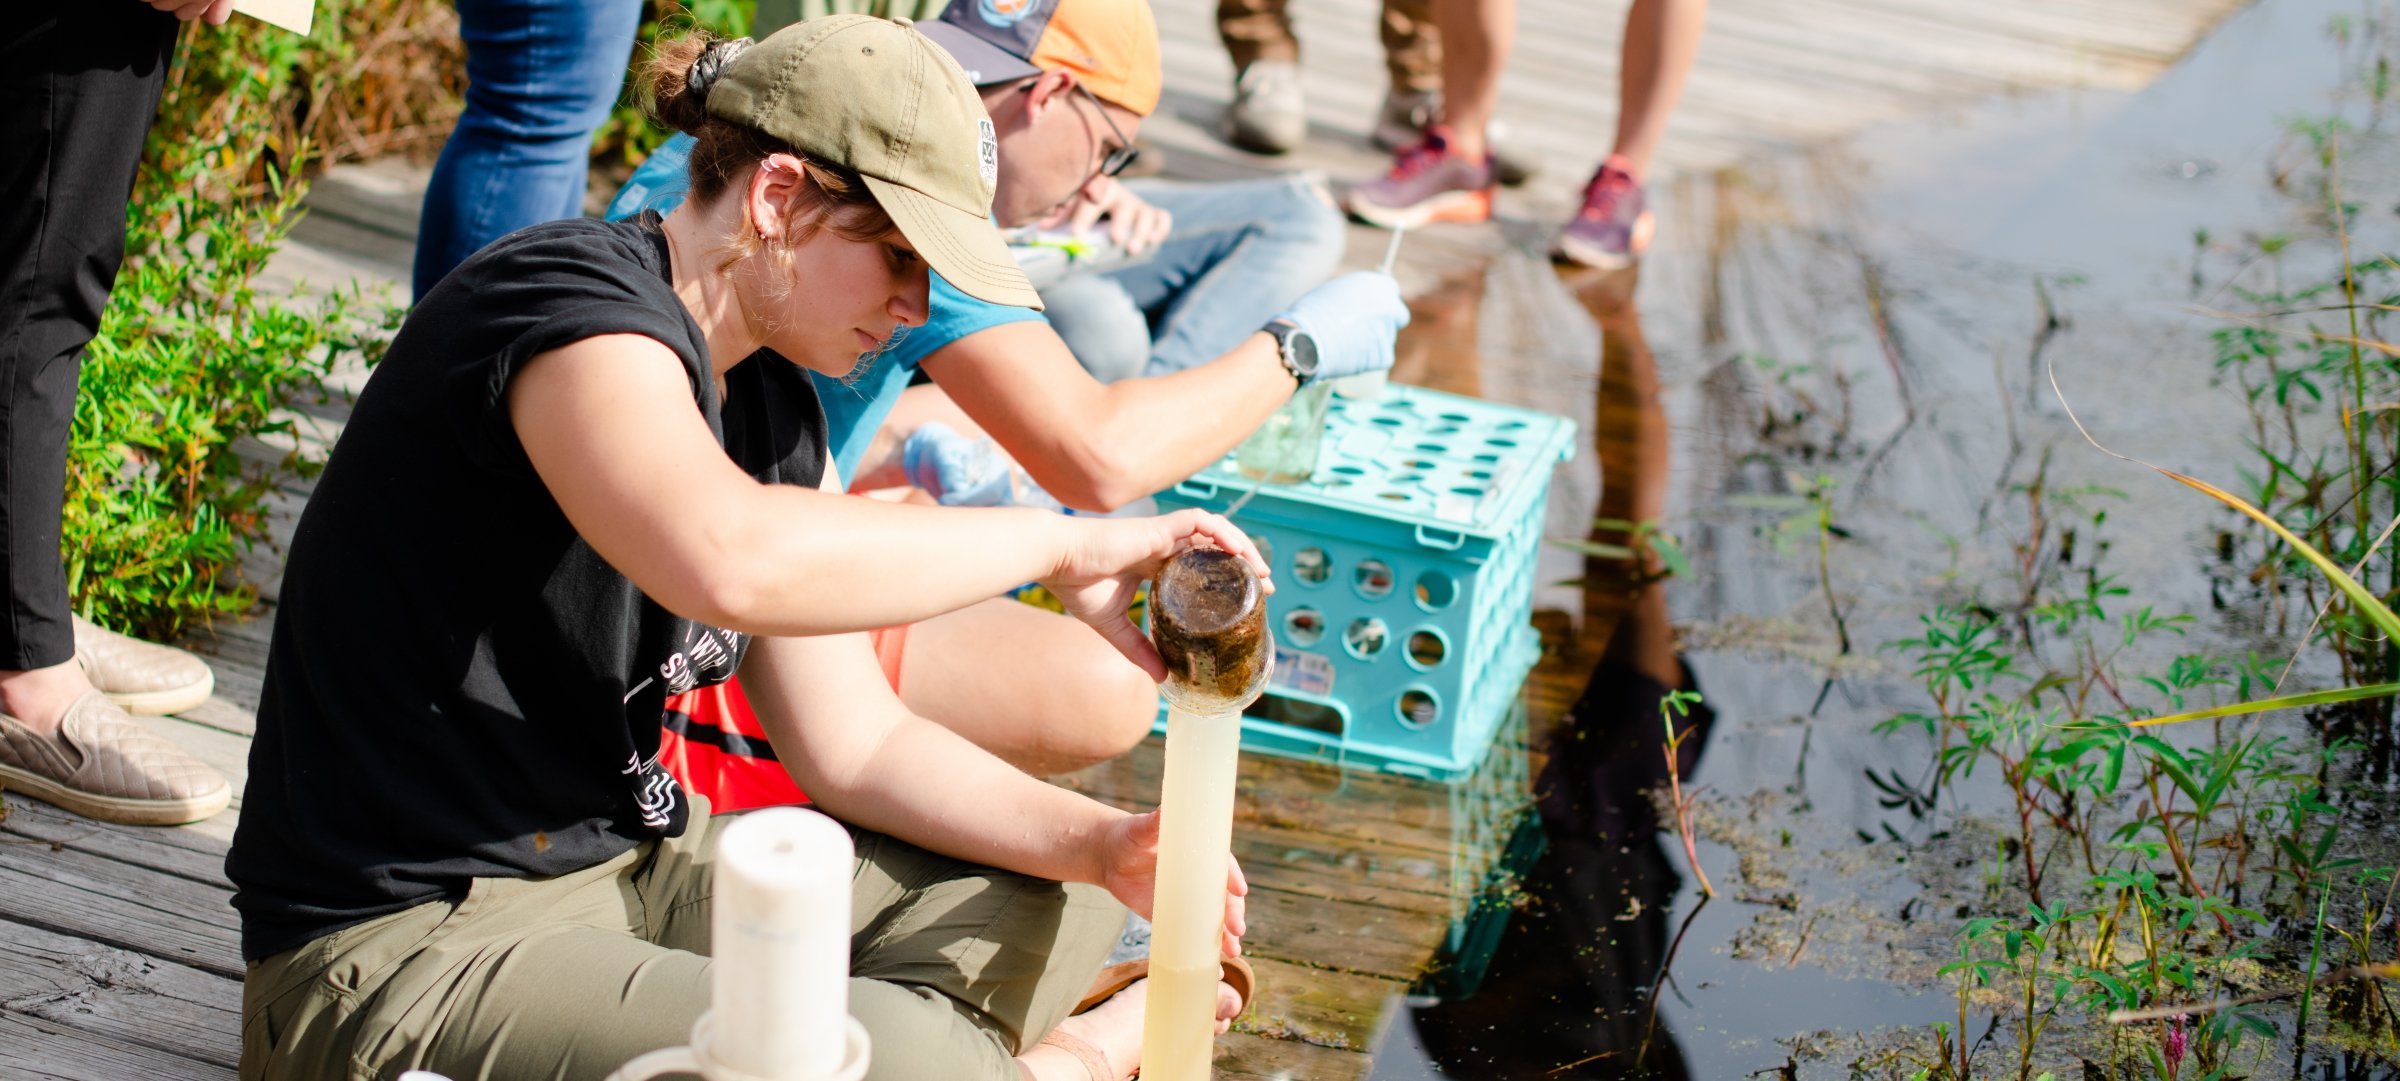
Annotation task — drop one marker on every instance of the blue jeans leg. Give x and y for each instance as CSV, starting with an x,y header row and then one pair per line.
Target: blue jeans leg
x,y
1107,332
541,77
1239,253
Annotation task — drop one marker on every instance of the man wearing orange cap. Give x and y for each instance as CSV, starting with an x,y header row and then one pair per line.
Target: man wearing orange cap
x,y
1133,378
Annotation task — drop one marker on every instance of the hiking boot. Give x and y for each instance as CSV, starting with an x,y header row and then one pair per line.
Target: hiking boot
x,y
1429,183
1266,115
1405,115
1612,227
103,764
138,676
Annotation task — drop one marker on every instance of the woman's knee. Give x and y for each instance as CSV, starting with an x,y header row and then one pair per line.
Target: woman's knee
x,y
1127,702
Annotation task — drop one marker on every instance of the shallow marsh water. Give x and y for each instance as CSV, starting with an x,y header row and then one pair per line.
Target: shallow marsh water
x,y
1884,314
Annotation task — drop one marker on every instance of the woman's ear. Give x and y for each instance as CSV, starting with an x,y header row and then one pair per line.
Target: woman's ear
x,y
775,191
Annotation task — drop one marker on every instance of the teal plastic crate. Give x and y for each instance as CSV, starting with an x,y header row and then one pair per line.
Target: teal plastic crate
x,y
1404,579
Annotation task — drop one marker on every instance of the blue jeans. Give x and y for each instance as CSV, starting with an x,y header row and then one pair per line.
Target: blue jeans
x,y
1240,252
541,77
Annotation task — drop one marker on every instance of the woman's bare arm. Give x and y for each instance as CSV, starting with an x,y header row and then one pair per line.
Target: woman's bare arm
x,y
610,426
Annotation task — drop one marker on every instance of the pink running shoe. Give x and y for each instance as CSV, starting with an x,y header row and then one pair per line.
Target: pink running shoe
x,y
1428,183
1612,228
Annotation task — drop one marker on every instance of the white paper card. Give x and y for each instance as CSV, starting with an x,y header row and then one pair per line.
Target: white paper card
x,y
292,15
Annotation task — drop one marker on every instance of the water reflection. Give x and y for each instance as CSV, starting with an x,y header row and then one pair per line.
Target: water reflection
x,y
1572,988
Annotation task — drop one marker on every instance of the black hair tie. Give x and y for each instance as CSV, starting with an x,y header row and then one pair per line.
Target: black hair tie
x,y
711,65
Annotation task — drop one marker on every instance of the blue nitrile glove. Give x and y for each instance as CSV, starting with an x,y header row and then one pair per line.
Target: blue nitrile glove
x,y
1353,319
961,472
660,184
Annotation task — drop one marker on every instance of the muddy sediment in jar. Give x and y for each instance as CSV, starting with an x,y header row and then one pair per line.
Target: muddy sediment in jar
x,y
1208,618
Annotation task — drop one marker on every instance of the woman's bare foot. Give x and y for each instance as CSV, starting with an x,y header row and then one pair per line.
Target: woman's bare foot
x,y
1107,1037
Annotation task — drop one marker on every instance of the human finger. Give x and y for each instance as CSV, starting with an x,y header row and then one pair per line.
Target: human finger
x,y
1086,214
1220,531
219,12
1130,641
1160,223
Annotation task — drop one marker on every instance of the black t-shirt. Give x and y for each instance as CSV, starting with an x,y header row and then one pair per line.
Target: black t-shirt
x,y
458,685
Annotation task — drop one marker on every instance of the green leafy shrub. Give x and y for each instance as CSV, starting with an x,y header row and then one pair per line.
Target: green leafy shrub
x,y
188,388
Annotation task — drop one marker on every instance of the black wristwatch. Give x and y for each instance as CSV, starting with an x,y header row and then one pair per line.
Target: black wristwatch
x,y
1295,348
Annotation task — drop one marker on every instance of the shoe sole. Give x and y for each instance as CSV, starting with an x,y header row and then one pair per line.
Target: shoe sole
x,y
123,810
161,703
1450,206
1568,249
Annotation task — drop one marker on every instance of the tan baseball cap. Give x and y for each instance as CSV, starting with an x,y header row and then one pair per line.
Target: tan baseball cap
x,y
878,97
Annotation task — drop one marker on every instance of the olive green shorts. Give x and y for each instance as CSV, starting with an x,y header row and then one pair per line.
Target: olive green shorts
x,y
955,968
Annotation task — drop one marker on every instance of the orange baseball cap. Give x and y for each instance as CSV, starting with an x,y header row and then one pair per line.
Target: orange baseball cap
x,y
1110,45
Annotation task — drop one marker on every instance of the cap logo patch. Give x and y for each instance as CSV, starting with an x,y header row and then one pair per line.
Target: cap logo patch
x,y
987,152
1004,12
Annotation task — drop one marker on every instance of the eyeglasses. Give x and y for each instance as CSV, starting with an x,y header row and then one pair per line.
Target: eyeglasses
x,y
1119,158
1116,160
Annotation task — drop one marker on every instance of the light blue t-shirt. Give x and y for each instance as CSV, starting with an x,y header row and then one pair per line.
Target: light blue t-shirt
x,y
854,407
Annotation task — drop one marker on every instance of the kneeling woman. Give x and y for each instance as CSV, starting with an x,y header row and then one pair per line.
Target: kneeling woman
x,y
561,498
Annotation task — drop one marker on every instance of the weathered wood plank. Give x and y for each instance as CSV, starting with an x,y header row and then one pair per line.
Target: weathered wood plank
x,y
1288,794
222,713
1242,1055
1320,1006
1364,872
194,853
1366,939
34,1049
87,896
115,994
229,753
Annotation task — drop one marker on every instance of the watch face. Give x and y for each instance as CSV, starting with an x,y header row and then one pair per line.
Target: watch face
x,y
1304,353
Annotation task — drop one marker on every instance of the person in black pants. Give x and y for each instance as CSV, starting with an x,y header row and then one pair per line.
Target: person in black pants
x,y
79,83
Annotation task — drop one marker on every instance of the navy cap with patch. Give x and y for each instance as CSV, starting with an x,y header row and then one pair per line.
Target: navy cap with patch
x,y
994,40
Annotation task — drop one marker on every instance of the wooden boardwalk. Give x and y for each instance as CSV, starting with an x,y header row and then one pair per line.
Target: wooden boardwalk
x,y
118,954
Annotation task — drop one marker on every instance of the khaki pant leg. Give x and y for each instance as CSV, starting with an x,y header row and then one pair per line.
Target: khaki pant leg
x,y
955,969
1412,47
1256,30
524,978
946,954
298,1006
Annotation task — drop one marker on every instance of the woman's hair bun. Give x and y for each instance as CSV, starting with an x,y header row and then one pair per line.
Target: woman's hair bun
x,y
680,74
711,65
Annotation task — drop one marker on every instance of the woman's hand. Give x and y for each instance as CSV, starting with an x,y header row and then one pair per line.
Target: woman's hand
x,y
215,11
1129,870
1107,560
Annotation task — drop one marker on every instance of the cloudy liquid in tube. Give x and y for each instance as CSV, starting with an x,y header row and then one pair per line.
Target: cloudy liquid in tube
x,y
1208,618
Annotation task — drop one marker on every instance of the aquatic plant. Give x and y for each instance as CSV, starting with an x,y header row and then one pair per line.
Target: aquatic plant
x,y
1679,704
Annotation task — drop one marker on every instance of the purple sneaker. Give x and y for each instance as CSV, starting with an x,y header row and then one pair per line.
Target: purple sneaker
x,y
1428,184
1611,228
